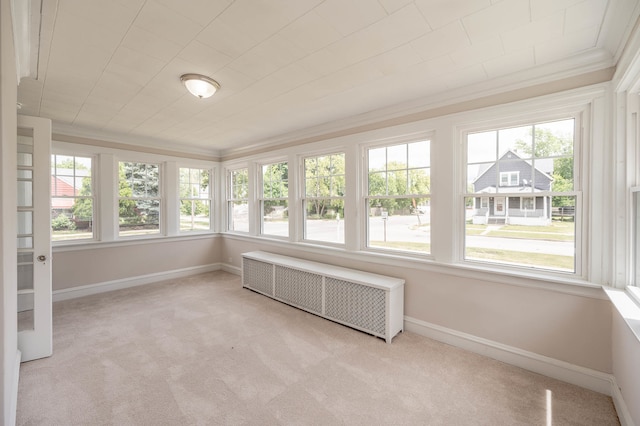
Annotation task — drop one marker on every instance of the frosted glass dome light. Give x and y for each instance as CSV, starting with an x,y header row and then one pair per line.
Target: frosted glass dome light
x,y
200,86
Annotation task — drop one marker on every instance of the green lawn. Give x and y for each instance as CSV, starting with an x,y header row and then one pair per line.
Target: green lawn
x,y
404,246
557,231
546,261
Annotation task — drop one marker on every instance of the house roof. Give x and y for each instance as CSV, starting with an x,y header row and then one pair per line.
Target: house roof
x,y
506,154
290,69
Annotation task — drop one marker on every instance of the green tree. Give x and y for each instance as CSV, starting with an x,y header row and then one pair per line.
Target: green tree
x,y
548,144
275,184
325,179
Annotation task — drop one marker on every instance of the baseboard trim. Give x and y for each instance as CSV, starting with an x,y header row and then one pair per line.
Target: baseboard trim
x,y
621,406
13,409
231,269
550,367
87,290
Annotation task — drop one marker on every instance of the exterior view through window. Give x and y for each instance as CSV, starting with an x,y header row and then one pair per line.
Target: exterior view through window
x,y
324,198
521,203
139,198
195,199
238,200
71,198
398,202
275,194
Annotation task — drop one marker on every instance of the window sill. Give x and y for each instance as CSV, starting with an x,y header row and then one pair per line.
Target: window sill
x,y
627,306
128,241
537,279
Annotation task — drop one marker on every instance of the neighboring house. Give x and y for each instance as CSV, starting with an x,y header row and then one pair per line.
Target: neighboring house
x,y
512,175
63,199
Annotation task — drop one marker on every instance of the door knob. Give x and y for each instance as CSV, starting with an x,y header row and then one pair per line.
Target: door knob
x,y
42,258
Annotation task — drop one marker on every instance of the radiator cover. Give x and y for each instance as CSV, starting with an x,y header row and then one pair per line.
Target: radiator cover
x,y
368,302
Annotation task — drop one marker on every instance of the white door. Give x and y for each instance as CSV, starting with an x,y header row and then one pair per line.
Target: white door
x,y
498,207
34,238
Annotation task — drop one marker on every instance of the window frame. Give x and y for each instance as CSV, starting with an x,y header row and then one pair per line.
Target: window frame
x,y
405,139
304,198
230,199
210,198
261,198
93,197
580,185
160,198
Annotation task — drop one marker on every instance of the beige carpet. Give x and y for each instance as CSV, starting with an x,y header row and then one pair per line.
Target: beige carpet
x,y
204,351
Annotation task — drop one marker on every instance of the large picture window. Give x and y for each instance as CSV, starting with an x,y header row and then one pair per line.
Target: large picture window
x,y
527,175
139,198
195,199
323,201
274,199
72,198
398,197
238,200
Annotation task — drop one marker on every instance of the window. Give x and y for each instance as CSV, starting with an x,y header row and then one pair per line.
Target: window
x,y
274,199
527,203
398,201
527,175
238,200
323,201
72,198
509,178
139,198
195,199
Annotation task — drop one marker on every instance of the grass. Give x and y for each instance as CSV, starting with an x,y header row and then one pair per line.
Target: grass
x,y
404,246
546,261
557,231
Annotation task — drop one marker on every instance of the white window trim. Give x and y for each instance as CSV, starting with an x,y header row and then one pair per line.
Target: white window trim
x,y
229,199
212,184
302,200
509,176
364,185
94,196
105,176
261,197
581,113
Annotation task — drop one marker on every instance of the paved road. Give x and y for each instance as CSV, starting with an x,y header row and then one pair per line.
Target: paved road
x,y
404,228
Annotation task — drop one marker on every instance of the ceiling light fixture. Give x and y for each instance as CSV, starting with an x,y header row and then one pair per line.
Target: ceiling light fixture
x,y
199,85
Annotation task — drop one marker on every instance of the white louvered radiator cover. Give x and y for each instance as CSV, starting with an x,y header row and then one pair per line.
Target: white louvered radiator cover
x,y
368,302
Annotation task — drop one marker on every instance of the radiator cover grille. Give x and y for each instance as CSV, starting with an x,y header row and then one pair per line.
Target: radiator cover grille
x,y
299,288
258,276
355,304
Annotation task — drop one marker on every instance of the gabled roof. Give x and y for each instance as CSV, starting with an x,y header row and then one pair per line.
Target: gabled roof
x,y
517,157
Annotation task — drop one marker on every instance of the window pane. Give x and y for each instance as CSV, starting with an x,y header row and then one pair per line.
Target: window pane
x,y
481,147
195,215
139,217
397,157
239,216
324,220
400,224
542,236
518,140
554,139
378,183
275,179
420,181
275,218
419,154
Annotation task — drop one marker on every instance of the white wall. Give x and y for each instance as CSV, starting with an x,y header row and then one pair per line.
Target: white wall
x,y
8,259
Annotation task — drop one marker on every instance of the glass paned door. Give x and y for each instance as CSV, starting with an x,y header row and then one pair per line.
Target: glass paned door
x,y
34,238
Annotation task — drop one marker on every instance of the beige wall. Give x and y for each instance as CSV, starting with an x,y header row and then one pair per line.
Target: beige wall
x,y
8,258
85,265
571,328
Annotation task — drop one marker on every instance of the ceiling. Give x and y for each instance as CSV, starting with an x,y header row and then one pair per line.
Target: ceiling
x,y
111,68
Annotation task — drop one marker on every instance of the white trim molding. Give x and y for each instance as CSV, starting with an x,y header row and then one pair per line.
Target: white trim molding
x,y
103,287
580,376
14,389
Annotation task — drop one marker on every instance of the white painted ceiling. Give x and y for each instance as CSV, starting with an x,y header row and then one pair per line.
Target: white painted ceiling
x,y
111,68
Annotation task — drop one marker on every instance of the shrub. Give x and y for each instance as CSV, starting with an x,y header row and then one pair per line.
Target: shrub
x,y
62,223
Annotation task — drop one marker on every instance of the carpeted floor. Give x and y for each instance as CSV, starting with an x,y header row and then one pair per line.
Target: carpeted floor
x,y
204,351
